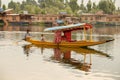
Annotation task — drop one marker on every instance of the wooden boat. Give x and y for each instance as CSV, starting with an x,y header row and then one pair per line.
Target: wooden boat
x,y
68,44
65,40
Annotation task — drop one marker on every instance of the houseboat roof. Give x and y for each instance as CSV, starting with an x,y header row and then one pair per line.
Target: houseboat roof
x,y
13,14
7,10
68,27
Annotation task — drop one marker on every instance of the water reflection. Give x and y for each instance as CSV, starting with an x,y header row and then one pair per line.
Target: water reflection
x,y
21,28
26,49
64,55
61,63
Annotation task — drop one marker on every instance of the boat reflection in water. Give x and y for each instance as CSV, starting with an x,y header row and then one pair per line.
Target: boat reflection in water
x,y
27,49
65,56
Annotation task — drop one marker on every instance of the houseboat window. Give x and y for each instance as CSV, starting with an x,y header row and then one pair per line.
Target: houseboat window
x,y
50,18
37,18
98,17
110,19
117,19
55,18
40,18
43,18
14,18
26,18
91,18
86,18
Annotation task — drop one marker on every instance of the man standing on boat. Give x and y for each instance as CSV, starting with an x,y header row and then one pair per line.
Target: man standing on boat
x,y
42,37
27,35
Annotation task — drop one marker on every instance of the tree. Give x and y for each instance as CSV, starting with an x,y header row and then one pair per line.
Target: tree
x,y
39,1
94,8
82,7
11,5
37,10
17,8
42,3
68,9
89,5
74,6
4,7
52,10
23,5
0,3
31,2
108,6
48,6
118,8
112,6
61,1
59,4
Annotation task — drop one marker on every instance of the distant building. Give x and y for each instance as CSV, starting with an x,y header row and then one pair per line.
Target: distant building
x,y
100,18
26,19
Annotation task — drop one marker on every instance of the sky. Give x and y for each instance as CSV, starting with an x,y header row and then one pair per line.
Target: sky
x,y
79,1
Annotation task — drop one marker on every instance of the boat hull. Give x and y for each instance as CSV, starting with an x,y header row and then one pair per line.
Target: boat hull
x,y
68,44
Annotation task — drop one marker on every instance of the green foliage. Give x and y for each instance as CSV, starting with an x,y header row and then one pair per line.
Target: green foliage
x,y
108,6
4,7
94,8
56,6
31,2
52,10
82,7
74,6
11,5
37,10
68,9
89,6
0,3
117,11
17,8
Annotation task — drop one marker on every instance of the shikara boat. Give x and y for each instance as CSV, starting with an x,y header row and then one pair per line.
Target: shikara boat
x,y
68,44
65,39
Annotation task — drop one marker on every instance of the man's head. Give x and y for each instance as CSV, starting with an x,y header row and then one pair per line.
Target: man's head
x,y
28,30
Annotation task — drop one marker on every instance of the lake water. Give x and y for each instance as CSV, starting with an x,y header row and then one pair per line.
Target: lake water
x,y
21,61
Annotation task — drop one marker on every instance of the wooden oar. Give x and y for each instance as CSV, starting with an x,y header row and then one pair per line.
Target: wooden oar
x,y
23,42
19,41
